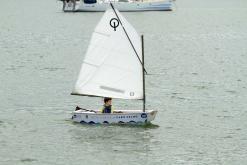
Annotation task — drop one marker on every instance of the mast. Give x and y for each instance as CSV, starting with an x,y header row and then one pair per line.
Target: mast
x,y
143,75
127,35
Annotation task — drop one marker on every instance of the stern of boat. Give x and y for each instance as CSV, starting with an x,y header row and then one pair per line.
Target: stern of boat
x,y
70,5
151,115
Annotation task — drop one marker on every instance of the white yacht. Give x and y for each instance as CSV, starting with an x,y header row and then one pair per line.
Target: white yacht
x,y
121,5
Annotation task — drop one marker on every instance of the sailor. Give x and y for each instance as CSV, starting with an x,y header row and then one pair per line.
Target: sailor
x,y
107,108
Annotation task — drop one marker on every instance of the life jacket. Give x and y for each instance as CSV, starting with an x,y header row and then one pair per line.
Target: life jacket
x,y
107,109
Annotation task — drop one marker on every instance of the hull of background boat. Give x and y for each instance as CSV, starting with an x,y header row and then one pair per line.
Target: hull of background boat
x,y
121,6
123,117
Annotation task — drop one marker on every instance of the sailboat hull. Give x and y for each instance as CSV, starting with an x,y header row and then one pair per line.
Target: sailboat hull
x,y
120,117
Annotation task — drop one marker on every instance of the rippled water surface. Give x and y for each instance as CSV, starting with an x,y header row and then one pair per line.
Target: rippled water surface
x,y
196,57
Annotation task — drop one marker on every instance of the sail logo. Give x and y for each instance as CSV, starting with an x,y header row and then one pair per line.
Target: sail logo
x,y
132,93
114,23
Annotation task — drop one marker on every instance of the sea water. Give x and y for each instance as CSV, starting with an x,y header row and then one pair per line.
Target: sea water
x,y
196,59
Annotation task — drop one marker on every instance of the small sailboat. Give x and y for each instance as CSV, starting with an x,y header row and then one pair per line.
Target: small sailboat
x,y
113,67
121,5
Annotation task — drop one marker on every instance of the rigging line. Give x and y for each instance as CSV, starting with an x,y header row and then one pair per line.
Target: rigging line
x,y
127,36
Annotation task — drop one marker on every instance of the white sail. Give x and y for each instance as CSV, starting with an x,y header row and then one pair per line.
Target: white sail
x,y
111,67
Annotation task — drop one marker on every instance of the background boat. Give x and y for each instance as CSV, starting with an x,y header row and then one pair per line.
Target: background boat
x,y
121,5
